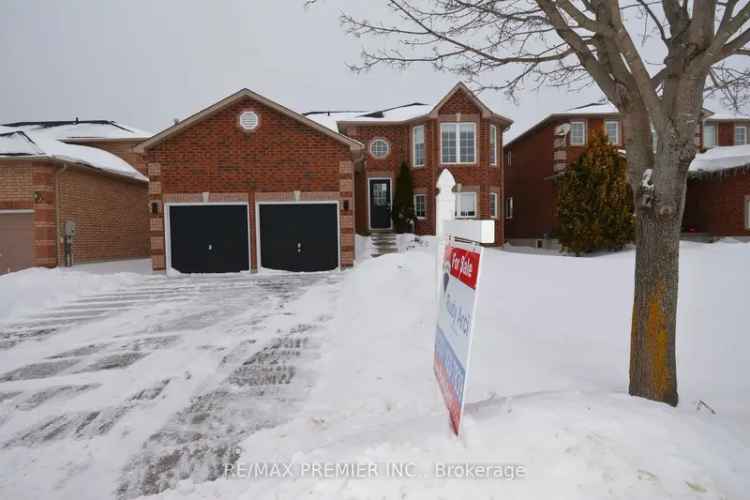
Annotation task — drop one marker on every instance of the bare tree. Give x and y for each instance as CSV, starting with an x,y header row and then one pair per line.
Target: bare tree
x,y
700,46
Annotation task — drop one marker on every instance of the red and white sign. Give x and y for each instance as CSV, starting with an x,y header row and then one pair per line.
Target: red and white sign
x,y
455,325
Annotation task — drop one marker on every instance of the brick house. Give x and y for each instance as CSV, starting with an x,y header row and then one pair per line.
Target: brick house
x,y
538,155
459,133
249,184
57,173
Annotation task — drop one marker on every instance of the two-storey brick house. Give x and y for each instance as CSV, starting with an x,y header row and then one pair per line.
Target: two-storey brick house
x,y
536,157
459,133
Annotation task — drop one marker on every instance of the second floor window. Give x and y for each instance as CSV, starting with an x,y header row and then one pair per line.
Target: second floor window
x,y
709,136
458,143
418,141
493,145
740,135
612,128
577,133
379,148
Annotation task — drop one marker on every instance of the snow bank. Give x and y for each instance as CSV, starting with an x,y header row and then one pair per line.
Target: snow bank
x,y
721,158
547,387
27,291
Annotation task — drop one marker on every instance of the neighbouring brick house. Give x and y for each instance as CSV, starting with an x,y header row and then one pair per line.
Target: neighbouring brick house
x,y
536,157
718,193
459,133
53,173
249,184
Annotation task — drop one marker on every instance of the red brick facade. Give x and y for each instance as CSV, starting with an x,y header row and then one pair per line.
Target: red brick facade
x,y
717,204
536,156
479,177
110,211
283,155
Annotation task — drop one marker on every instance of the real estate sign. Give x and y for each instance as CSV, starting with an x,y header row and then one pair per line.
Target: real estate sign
x,y
455,325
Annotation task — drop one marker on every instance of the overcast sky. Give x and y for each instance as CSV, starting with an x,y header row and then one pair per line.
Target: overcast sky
x,y
144,63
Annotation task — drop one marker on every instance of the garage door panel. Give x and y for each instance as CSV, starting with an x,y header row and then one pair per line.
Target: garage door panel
x,y
299,237
209,238
16,241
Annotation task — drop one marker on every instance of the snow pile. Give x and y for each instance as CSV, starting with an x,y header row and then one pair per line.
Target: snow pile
x,y
30,290
545,323
721,158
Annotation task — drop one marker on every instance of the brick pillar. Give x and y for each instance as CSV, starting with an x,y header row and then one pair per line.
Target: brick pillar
x,y
156,221
346,208
45,215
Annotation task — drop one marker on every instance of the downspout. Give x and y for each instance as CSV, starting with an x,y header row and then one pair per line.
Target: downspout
x,y
58,234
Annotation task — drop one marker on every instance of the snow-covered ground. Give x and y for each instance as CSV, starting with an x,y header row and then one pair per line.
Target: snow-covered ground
x,y
548,386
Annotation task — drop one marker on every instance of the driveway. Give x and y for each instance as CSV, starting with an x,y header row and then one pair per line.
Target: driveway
x,y
134,391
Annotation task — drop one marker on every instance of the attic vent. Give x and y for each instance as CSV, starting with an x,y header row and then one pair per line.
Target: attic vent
x,y
249,120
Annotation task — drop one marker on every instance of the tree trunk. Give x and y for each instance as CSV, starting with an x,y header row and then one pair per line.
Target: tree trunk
x,y
653,367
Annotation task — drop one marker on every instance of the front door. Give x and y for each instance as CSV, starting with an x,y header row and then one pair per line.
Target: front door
x,y
380,203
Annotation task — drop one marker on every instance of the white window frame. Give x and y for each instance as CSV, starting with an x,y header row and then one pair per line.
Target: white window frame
x,y
747,212
744,135
654,140
457,126
493,205
585,132
508,158
424,197
458,205
493,145
387,145
414,146
616,123
712,126
508,207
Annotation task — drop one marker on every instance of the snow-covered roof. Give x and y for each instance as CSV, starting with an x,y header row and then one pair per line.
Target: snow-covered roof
x,y
721,158
591,109
397,114
727,117
28,140
330,119
81,129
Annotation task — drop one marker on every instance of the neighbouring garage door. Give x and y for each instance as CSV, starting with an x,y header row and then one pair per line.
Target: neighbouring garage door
x,y
16,241
208,238
299,236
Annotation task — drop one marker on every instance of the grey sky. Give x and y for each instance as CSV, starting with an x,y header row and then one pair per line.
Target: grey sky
x,y
146,62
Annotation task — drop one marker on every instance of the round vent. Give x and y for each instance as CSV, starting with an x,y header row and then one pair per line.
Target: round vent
x,y
249,120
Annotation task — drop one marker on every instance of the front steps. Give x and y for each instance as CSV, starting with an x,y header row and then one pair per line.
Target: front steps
x,y
383,242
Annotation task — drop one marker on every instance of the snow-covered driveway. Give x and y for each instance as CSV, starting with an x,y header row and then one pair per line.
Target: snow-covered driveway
x,y
153,382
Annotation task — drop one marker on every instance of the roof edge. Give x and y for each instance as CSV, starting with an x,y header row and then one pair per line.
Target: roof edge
x,y
195,118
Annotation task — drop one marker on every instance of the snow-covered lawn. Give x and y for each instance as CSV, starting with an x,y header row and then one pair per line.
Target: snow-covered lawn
x,y
548,385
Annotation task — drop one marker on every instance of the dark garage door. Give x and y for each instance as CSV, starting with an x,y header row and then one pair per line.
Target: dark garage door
x,y
16,241
209,238
299,236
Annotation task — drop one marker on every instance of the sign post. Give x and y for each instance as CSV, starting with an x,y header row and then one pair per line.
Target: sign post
x,y
458,269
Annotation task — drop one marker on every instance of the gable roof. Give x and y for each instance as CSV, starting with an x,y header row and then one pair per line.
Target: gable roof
x,y
410,112
232,99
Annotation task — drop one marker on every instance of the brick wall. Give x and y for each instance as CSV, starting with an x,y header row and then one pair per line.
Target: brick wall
x,y
281,156
715,204
111,215
15,185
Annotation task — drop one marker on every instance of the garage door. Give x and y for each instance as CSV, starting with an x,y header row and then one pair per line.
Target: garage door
x,y
16,241
208,238
299,236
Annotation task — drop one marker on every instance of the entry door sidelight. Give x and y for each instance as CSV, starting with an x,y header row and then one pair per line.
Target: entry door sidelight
x,y
380,203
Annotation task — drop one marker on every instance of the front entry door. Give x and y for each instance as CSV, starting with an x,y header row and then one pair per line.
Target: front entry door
x,y
380,203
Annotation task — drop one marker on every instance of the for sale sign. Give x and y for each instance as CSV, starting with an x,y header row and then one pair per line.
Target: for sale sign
x,y
455,325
